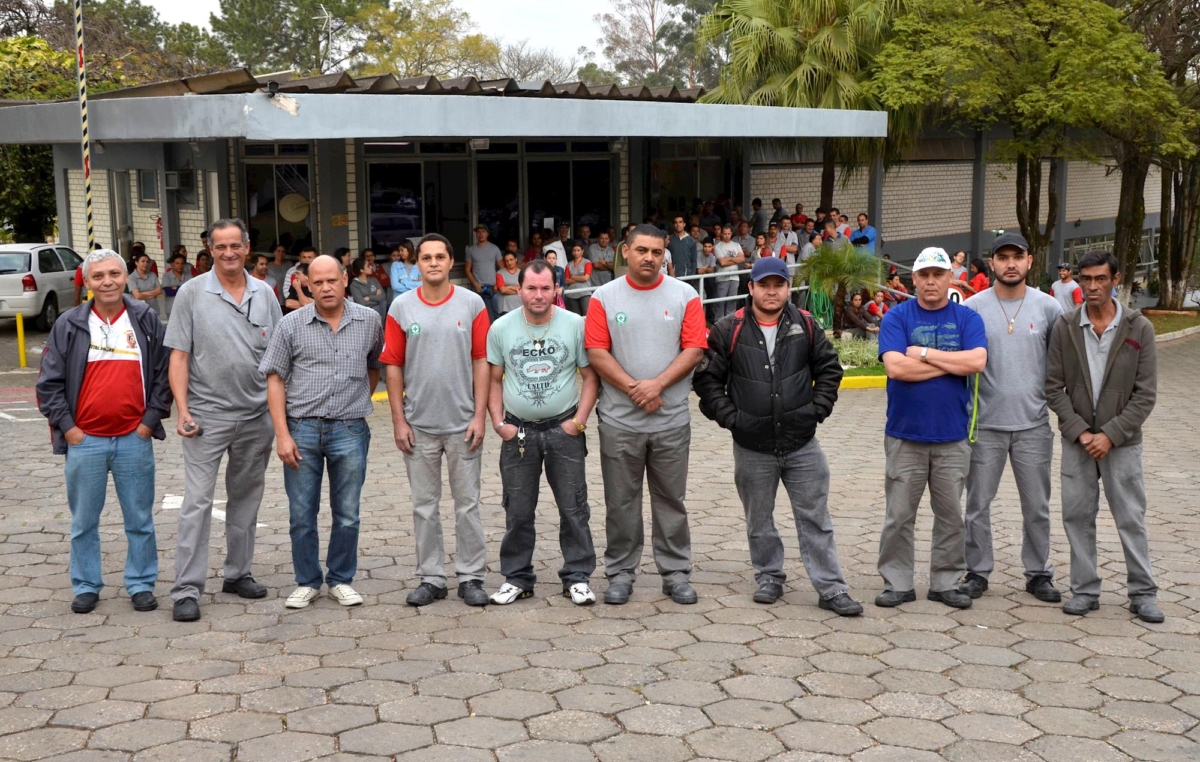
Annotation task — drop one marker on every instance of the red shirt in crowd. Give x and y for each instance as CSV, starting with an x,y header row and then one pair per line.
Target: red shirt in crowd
x,y
980,282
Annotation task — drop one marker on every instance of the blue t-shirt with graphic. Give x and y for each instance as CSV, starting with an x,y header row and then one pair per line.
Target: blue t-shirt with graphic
x,y
937,410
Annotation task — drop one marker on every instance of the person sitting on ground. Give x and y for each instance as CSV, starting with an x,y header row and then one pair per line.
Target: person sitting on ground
x,y
895,284
878,306
855,320
979,277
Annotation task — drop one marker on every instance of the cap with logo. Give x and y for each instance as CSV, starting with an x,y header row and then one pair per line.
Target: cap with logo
x,y
768,266
932,257
1064,265
1011,240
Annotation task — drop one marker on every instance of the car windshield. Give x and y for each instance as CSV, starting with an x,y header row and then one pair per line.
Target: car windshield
x,y
14,262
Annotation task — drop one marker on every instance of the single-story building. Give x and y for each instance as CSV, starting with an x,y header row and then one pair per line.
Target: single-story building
x,y
367,161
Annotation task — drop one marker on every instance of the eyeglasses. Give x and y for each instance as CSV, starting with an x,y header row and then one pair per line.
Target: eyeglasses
x,y
246,314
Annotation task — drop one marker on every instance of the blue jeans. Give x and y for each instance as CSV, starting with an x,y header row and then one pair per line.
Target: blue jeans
x,y
130,459
342,445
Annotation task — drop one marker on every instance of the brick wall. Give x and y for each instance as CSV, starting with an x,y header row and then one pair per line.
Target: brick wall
x,y
801,184
352,194
101,213
624,212
927,199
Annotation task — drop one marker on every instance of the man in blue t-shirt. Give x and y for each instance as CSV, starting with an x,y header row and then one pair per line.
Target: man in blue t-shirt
x,y
864,238
930,348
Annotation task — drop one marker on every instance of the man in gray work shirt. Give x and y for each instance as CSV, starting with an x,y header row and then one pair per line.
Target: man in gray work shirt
x,y
480,269
220,325
1014,421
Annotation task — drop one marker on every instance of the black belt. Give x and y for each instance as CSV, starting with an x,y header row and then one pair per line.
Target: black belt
x,y
542,425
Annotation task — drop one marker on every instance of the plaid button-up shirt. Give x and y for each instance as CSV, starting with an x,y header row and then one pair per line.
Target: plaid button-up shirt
x,y
326,372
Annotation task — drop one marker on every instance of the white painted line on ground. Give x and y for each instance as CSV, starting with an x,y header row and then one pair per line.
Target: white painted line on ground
x,y
19,371
13,419
174,502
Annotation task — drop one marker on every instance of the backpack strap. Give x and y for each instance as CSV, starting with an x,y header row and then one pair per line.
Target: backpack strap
x,y
739,319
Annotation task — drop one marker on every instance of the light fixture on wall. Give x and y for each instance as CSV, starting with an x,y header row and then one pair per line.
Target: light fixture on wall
x,y
479,144
195,146
99,147
618,145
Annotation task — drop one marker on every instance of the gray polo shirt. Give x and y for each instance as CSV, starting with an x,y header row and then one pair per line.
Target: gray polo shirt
x,y
596,253
225,341
1098,347
326,372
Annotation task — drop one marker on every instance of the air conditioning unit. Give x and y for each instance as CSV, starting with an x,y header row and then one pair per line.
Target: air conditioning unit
x,y
181,180
171,180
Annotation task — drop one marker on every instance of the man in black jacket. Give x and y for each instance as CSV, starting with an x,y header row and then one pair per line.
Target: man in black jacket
x,y
770,376
103,387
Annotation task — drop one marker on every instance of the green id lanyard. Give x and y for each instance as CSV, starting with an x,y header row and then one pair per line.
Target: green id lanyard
x,y
974,411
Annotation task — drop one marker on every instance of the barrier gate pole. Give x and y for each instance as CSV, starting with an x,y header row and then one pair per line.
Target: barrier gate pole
x,y
83,119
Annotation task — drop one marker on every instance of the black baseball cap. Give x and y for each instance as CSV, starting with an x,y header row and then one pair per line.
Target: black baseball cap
x,y
1064,266
1015,240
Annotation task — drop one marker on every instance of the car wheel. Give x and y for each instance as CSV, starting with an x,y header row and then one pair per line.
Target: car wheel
x,y
49,313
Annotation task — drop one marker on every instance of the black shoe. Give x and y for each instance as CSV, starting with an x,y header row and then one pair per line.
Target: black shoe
x,y
618,593
1042,588
973,585
187,610
84,603
768,591
681,592
1148,612
890,599
841,604
472,593
1080,606
952,598
425,594
144,601
245,587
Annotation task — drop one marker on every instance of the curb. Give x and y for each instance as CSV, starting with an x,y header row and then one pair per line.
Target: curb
x,y
1177,334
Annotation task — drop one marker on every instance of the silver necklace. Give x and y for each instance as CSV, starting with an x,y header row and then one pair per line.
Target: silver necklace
x,y
538,341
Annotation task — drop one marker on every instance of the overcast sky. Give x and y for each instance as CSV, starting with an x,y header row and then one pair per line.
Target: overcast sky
x,y
563,26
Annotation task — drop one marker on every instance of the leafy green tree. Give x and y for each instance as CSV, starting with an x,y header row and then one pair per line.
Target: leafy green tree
x,y
697,65
30,69
840,270
1045,69
804,54
592,73
425,37
309,37
632,40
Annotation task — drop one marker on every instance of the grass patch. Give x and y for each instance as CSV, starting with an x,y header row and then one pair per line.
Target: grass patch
x,y
1171,323
876,370
857,353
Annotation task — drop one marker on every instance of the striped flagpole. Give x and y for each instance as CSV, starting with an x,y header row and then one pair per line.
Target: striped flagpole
x,y
83,118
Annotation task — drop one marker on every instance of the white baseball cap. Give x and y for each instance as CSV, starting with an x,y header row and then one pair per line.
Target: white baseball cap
x,y
932,257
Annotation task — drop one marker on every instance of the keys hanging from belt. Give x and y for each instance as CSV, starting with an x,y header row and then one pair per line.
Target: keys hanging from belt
x,y
521,440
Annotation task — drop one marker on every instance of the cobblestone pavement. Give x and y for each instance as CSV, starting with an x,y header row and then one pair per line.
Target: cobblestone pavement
x,y
1010,679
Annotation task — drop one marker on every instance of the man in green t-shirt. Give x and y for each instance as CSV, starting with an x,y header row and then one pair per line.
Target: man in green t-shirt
x,y
540,410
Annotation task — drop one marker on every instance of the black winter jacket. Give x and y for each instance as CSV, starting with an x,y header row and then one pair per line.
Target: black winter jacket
x,y
64,361
769,412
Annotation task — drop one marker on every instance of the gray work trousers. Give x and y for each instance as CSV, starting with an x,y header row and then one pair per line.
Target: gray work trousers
x,y
721,309
1125,491
910,466
662,458
805,476
424,468
248,445
1030,452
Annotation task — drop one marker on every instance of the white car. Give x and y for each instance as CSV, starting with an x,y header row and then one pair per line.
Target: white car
x,y
37,280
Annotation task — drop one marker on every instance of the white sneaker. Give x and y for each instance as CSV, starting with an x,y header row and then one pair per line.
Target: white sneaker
x,y
345,595
301,598
509,593
580,594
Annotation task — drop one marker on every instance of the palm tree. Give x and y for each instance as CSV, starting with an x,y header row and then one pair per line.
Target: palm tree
x,y
807,54
841,270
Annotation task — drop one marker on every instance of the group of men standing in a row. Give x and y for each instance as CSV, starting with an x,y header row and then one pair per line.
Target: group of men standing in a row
x,y
242,377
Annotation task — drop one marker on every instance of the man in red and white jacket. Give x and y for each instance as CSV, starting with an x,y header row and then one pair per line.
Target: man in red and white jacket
x,y
103,386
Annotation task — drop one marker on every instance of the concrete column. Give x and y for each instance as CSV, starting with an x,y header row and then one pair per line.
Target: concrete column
x,y
979,195
168,206
875,199
638,177
1058,245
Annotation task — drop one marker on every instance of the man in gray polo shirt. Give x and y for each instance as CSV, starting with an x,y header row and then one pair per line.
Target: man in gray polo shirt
x,y
321,366
220,325
480,269
645,334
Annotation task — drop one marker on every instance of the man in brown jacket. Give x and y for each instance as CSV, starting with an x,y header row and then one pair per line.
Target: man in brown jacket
x,y
1101,379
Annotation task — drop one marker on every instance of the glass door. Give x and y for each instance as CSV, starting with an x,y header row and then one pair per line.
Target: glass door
x,y
397,212
279,206
498,198
122,212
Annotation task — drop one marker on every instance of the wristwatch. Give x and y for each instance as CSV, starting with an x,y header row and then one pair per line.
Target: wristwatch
x,y
924,354
578,425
